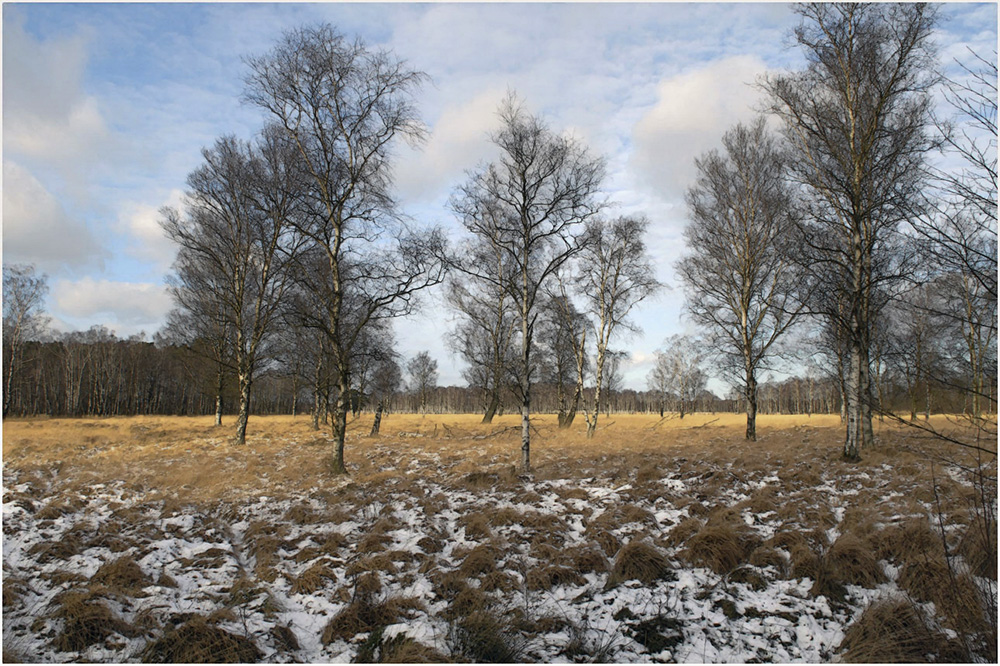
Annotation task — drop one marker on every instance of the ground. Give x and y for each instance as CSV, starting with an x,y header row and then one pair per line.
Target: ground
x,y
156,539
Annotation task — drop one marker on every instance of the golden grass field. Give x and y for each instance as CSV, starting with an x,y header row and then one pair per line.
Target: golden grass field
x,y
191,459
436,525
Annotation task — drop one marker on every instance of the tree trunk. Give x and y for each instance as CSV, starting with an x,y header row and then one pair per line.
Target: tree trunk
x,y
526,381
340,423
854,440
219,387
751,396
244,413
599,371
378,419
526,433
317,394
10,377
491,409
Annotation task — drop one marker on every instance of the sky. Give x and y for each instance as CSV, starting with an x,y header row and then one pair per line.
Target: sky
x,y
106,108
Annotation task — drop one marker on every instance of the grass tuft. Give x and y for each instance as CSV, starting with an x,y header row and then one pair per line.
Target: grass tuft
x,y
721,546
895,631
122,576
639,560
197,641
365,614
86,622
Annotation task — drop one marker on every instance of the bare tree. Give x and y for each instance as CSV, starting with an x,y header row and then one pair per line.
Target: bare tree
x,y
23,319
236,243
739,269
857,118
423,376
563,341
678,373
615,275
484,336
614,376
387,380
527,204
342,105
199,324
960,234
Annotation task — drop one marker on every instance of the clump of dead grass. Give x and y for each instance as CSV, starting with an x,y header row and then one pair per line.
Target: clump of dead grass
x,y
895,631
911,540
639,560
480,560
60,549
979,548
586,558
720,546
198,641
313,579
123,576
853,562
14,589
86,622
552,575
365,614
477,525
485,636
402,649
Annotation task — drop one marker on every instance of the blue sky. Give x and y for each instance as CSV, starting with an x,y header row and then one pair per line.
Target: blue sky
x,y
107,106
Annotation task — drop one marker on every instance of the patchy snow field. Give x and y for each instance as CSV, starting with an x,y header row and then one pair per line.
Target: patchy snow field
x,y
650,543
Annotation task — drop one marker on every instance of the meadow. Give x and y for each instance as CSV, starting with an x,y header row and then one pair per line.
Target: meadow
x,y
659,540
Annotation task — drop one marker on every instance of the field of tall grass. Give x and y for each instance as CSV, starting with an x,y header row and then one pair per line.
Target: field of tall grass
x,y
156,539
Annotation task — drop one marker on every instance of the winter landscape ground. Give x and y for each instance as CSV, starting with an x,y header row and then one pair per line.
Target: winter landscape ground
x,y
155,539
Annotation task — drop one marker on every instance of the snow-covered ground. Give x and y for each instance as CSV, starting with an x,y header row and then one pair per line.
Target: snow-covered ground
x,y
266,566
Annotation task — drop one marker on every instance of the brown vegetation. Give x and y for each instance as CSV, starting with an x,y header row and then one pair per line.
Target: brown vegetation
x,y
676,495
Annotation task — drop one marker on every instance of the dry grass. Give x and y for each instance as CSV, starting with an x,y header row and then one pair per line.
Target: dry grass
x,y
86,621
313,579
897,632
198,641
721,546
122,576
170,466
639,560
366,614
190,459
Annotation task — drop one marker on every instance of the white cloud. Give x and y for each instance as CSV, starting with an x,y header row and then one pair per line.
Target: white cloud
x,y
47,115
457,142
693,112
37,229
124,306
140,222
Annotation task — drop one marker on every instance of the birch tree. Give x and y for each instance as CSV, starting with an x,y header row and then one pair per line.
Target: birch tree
x,y
423,376
236,245
615,275
343,105
23,319
529,205
485,334
857,119
739,270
